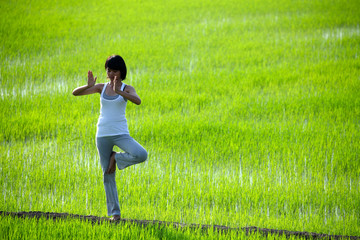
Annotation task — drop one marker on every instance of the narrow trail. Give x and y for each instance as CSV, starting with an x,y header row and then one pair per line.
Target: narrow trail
x,y
144,223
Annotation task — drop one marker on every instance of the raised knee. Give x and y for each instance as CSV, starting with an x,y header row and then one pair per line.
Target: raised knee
x,y
142,156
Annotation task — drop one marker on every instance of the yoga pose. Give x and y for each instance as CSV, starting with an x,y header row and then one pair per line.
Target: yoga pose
x,y
112,127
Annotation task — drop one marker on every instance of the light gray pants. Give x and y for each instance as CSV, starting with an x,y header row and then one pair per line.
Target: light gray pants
x,y
133,153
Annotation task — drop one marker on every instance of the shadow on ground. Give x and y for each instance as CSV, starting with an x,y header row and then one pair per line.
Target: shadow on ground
x,y
222,229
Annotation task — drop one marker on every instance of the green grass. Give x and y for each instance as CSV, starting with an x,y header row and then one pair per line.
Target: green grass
x,y
250,111
69,229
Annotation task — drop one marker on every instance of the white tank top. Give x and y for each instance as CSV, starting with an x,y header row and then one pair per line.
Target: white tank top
x,y
112,120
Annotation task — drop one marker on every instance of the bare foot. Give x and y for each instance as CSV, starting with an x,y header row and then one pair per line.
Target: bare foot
x,y
115,218
112,164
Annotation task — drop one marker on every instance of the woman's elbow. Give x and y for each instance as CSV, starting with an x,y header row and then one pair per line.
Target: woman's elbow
x,y
137,101
75,92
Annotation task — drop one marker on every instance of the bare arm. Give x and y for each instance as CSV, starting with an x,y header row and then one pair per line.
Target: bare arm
x,y
90,88
129,92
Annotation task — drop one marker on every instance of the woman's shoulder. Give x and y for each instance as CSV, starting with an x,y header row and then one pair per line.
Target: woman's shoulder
x,y
128,87
99,87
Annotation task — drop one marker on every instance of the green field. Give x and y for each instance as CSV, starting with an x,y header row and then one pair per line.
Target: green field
x,y
250,113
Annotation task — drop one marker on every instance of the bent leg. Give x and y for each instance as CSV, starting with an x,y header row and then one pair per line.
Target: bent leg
x,y
133,152
105,146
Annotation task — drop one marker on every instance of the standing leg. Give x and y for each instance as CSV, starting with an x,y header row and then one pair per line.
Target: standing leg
x,y
133,152
105,146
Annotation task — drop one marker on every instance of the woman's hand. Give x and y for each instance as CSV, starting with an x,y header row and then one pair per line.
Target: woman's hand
x,y
90,88
116,85
91,79
129,93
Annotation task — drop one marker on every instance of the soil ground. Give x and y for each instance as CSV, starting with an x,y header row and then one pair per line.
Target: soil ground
x,y
248,230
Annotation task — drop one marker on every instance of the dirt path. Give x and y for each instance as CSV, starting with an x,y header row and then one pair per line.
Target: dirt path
x,y
248,230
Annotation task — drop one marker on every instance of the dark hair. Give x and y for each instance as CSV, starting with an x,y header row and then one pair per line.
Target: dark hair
x,y
115,62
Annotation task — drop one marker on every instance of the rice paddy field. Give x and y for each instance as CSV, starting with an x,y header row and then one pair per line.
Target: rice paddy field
x,y
250,114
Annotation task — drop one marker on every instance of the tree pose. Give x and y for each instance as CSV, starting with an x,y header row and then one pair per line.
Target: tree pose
x,y
112,127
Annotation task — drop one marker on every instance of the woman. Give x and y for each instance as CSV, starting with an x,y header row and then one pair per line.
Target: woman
x,y
112,127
